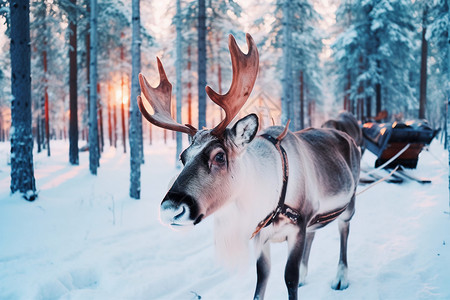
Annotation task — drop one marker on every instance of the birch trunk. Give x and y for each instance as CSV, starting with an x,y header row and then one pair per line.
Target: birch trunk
x,y
93,129
135,126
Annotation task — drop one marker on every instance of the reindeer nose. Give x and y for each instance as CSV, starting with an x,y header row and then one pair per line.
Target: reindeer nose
x,y
177,209
173,214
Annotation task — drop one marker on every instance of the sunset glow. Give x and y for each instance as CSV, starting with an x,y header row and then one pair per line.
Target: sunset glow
x,y
121,96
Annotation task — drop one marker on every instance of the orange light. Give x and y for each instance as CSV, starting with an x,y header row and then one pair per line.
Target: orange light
x,y
121,97
118,96
394,124
382,131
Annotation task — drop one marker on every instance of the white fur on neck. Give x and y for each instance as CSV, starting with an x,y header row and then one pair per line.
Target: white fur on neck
x,y
256,191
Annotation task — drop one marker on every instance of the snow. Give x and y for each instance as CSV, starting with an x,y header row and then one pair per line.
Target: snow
x,y
85,238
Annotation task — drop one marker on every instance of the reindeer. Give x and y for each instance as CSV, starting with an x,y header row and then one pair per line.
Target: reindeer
x,y
272,186
347,123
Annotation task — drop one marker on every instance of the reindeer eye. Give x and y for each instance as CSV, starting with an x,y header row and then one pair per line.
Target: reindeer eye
x,y
219,158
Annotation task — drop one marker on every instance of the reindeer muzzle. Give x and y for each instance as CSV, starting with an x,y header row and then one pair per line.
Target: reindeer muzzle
x,y
179,209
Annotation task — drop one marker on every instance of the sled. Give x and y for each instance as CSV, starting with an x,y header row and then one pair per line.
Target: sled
x,y
387,139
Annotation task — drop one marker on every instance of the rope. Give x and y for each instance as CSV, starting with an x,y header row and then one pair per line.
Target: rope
x,y
390,160
377,182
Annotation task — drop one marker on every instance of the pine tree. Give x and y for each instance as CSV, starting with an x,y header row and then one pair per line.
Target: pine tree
x,y
22,172
374,55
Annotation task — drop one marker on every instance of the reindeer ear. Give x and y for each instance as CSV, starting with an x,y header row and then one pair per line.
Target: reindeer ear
x,y
245,130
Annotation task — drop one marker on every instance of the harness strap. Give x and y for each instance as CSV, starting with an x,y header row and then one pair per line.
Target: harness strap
x,y
282,208
284,162
327,217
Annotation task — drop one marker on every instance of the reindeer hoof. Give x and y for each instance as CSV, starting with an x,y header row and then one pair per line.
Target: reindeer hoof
x,y
339,284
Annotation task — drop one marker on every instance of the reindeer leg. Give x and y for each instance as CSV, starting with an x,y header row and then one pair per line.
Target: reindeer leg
x,y
305,257
341,281
262,271
291,273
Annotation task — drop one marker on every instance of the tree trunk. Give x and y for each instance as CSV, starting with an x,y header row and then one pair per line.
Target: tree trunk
x,y
122,104
347,92
135,115
219,73
22,172
302,102
115,123
87,39
178,86
109,115
368,109
93,129
122,111
286,99
73,88
38,134
189,86
45,81
423,66
201,64
377,98
42,121
101,139
46,105
447,55
311,112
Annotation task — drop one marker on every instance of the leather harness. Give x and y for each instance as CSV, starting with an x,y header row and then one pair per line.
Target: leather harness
x,y
292,214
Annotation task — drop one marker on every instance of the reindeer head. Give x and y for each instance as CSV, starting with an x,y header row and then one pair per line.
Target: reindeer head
x,y
211,161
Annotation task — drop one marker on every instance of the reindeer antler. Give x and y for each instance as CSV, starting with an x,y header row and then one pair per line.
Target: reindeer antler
x,y
245,69
160,100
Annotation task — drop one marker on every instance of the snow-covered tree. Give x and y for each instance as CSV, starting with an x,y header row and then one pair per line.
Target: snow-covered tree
x,y
374,55
437,37
69,12
47,57
220,20
295,32
22,171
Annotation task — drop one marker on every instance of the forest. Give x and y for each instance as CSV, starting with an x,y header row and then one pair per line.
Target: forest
x,y
78,148
317,58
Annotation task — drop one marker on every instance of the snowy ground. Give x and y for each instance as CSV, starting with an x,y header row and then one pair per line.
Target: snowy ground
x,y
84,238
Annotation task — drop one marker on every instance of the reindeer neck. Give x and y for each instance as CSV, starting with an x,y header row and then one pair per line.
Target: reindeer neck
x,y
259,183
